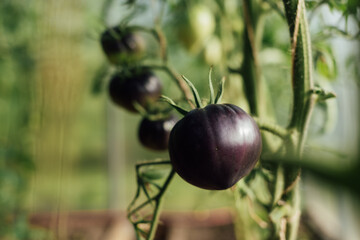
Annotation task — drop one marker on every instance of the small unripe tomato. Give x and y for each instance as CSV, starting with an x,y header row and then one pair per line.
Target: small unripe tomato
x,y
139,86
213,51
214,147
122,46
197,27
154,134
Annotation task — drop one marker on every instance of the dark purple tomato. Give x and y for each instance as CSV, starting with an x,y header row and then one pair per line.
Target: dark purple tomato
x,y
154,134
122,46
214,147
142,87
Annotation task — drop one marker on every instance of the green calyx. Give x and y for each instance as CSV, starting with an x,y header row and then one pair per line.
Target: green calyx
x,y
213,99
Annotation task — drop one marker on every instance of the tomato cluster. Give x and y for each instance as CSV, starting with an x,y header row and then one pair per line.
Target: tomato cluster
x,y
133,87
211,147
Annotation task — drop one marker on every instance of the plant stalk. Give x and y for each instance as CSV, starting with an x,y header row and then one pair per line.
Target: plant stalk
x,y
303,102
249,68
155,219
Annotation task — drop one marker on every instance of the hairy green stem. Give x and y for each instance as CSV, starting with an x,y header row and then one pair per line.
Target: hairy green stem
x,y
303,103
302,79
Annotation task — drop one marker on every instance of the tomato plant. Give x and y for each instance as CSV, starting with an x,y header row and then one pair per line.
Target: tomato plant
x,y
220,146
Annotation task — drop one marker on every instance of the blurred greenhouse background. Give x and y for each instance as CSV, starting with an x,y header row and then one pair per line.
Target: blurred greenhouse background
x,y
65,147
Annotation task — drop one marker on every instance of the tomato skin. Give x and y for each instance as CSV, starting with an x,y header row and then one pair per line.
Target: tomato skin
x,y
214,147
154,134
122,46
142,87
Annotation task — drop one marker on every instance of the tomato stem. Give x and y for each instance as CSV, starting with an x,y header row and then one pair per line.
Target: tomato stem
x,y
273,128
303,103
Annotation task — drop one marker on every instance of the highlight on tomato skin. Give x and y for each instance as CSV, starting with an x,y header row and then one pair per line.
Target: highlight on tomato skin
x,y
155,134
122,46
140,86
214,147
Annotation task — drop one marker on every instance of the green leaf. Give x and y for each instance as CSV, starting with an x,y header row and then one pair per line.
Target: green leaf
x,y
98,80
325,62
260,189
245,190
194,92
322,94
151,174
174,105
220,91
211,88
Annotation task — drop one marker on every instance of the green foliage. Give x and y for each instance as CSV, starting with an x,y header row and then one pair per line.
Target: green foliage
x,y
16,69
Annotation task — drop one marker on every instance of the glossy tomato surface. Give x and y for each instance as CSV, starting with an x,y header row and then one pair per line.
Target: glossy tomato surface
x,y
154,134
215,146
122,46
141,86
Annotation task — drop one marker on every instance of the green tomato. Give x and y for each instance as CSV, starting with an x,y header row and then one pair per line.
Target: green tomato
x,y
197,28
213,51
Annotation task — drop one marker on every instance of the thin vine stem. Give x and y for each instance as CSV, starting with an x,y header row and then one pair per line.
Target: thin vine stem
x,y
157,199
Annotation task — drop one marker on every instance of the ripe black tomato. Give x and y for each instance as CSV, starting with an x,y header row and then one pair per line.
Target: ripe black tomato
x,y
139,86
122,46
154,134
214,147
